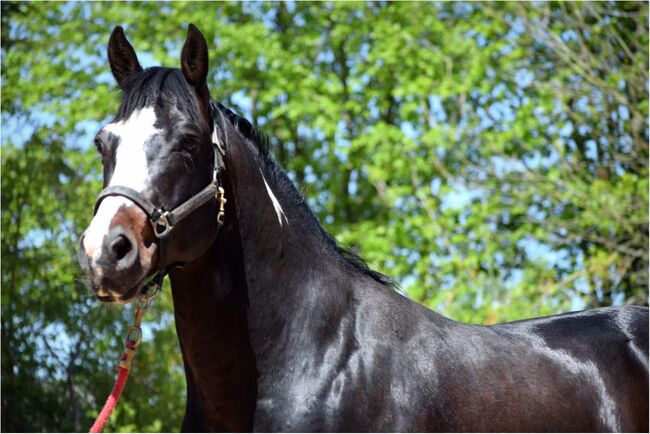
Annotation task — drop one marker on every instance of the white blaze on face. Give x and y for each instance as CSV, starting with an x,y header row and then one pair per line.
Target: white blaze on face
x,y
131,170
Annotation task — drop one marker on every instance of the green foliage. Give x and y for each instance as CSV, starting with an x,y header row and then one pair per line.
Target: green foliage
x,y
492,157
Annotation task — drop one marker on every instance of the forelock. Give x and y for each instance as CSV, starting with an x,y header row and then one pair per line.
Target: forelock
x,y
158,87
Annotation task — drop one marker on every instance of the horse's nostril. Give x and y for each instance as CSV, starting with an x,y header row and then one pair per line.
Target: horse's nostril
x,y
121,246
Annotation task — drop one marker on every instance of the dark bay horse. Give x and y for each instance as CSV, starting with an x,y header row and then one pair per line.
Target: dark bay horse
x,y
283,330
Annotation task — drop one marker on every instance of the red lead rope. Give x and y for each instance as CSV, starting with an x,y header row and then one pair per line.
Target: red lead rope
x,y
112,400
133,338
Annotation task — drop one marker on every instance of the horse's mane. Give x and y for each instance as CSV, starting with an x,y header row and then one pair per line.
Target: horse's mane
x,y
168,84
261,142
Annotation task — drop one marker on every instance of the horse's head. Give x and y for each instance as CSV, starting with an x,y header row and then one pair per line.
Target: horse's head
x,y
157,153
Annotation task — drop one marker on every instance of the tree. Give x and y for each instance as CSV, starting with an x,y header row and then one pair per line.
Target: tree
x,y
493,158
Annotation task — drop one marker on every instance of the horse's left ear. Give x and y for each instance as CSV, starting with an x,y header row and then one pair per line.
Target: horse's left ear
x,y
194,58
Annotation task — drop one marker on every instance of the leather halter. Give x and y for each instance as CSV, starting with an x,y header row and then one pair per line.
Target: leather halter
x,y
163,221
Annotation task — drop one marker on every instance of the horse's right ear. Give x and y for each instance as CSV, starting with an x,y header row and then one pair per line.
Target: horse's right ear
x,y
121,56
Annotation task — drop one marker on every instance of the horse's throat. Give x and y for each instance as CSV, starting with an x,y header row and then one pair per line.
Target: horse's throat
x,y
217,355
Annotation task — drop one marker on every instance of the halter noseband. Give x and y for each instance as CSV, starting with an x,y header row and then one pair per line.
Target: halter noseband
x,y
163,221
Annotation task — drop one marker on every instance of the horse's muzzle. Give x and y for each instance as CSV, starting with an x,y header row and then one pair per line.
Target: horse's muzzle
x,y
119,255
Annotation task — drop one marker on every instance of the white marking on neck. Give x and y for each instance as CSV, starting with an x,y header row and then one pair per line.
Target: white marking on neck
x,y
131,170
215,138
276,205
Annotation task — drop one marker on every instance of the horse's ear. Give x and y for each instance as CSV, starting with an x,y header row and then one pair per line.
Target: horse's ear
x,y
194,58
121,56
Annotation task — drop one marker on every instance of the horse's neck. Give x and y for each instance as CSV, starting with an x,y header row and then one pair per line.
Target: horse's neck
x,y
211,324
290,273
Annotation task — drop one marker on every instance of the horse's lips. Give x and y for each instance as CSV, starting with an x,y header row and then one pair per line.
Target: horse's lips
x,y
123,298
111,295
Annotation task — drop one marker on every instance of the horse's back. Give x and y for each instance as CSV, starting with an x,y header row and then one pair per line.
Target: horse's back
x,y
601,352
580,371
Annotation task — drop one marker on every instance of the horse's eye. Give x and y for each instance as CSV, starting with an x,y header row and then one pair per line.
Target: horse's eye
x,y
188,143
190,139
99,146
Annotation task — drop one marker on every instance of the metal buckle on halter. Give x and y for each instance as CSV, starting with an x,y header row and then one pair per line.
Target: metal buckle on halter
x,y
164,222
221,198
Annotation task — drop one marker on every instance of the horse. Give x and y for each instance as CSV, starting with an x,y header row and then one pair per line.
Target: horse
x,y
282,329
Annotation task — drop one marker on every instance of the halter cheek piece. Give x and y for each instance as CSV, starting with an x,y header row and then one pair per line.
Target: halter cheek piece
x,y
163,221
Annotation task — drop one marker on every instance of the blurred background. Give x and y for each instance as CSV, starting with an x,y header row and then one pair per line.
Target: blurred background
x,y
491,157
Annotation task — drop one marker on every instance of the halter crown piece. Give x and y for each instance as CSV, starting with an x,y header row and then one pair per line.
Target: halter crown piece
x,y
163,221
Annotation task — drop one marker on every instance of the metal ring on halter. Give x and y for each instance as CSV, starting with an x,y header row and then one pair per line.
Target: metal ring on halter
x,y
164,222
156,283
148,298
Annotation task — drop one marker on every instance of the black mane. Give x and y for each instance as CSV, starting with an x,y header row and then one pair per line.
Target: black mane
x,y
261,142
